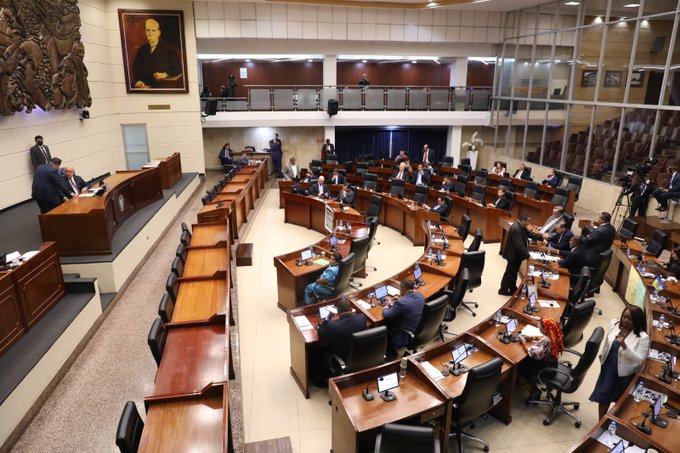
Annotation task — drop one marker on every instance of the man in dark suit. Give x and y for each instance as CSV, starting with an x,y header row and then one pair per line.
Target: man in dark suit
x,y
404,313
670,191
559,240
551,223
552,179
336,178
225,154
516,251
600,239
319,188
575,258
40,154
640,191
421,177
49,190
402,173
521,173
327,148
337,333
73,182
402,157
502,202
428,154
346,195
440,207
447,185
243,160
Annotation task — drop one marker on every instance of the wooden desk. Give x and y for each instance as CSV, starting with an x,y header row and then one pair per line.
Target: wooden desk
x,y
205,262
170,170
196,423
28,292
486,218
310,212
201,301
209,234
86,225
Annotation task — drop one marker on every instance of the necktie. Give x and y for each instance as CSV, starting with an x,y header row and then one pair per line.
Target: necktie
x,y
75,187
42,148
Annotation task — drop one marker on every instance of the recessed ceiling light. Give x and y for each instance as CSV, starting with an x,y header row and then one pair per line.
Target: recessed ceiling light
x,y
414,61
310,60
248,60
632,5
364,61
572,3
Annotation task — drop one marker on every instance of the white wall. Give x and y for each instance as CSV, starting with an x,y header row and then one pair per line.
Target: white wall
x,y
94,146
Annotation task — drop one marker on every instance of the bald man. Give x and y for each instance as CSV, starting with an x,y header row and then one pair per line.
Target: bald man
x,y
75,183
156,60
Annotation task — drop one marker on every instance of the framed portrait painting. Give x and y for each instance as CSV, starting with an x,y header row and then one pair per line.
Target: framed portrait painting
x,y
637,79
612,79
154,53
588,78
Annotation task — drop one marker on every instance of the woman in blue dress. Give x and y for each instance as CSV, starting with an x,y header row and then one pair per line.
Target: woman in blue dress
x,y
623,351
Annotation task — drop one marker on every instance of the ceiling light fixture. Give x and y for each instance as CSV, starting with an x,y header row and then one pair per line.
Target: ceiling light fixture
x,y
632,5
572,3
414,61
364,61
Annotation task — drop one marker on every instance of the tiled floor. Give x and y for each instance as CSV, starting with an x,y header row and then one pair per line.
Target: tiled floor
x,y
82,414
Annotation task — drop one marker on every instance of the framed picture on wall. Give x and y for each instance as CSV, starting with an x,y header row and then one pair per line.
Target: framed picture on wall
x,y
154,53
637,79
588,78
612,79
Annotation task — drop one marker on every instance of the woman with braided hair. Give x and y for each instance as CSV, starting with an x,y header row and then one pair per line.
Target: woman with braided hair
x,y
542,353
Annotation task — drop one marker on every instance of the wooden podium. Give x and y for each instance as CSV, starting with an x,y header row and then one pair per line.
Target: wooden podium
x,y
85,225
170,170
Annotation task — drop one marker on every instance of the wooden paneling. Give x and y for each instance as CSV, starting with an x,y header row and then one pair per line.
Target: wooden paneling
x,y
379,74
215,74
480,74
11,324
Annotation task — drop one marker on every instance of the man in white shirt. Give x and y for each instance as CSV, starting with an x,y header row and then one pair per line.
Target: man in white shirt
x,y
402,173
522,172
292,170
76,185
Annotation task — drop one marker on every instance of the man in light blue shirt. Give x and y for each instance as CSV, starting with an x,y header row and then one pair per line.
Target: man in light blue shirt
x,y
322,288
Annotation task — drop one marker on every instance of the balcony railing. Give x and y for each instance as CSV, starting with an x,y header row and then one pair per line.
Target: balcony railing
x,y
356,98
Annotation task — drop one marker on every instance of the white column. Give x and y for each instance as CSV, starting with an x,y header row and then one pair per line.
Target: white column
x,y
329,132
453,141
458,76
330,70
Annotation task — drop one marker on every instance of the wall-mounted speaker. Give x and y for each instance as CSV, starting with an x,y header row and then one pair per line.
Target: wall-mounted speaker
x,y
332,107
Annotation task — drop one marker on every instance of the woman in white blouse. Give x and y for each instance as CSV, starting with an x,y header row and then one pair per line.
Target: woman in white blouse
x,y
498,169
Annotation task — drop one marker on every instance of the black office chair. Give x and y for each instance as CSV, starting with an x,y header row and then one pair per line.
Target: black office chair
x,y
421,194
166,308
478,193
598,272
130,428
372,223
397,187
568,219
156,340
456,296
510,196
563,379
430,326
185,238
505,183
448,201
447,161
465,167
370,181
474,262
574,184
345,269
572,331
459,188
374,207
182,253
360,249
477,241
464,227
628,229
177,266
212,193
480,177
561,197
479,396
394,438
205,199
531,189
185,228
366,350
577,293
655,247
465,161
172,286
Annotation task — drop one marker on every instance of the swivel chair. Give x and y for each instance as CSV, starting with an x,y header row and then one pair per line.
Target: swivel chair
x,y
372,223
456,296
185,228
510,196
421,194
430,326
531,189
394,438
205,199
598,275
574,184
166,308
464,227
177,267
341,284
397,187
360,249
477,241
172,287
480,177
474,262
449,205
577,292
459,188
370,181
374,207
182,253
447,161
130,428
572,331
478,193
505,183
561,197
655,247
156,340
366,350
628,229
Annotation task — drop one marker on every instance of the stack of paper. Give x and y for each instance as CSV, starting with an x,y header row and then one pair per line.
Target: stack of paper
x,y
362,304
432,371
548,304
392,291
303,323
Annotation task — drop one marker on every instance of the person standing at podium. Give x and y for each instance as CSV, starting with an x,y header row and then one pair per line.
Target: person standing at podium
x,y
49,190
74,183
40,154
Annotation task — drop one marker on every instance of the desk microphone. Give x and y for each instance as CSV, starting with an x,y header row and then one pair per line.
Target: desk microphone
x,y
667,370
642,426
366,393
446,242
544,283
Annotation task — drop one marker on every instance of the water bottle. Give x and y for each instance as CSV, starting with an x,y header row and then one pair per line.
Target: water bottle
x,y
639,390
524,291
499,315
659,325
402,369
311,251
339,224
549,248
612,429
628,252
655,295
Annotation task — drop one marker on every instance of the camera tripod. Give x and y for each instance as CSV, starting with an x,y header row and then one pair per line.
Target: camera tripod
x,y
622,203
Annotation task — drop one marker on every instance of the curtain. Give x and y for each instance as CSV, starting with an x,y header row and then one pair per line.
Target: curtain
x,y
352,142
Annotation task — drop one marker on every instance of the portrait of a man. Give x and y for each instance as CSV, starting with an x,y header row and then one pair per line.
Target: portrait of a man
x,y
153,51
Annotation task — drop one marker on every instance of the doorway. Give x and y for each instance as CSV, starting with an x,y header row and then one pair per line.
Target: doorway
x,y
136,145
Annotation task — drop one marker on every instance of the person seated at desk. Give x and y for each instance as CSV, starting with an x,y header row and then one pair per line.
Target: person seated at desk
x,y
75,183
319,188
543,353
552,179
346,195
322,288
421,177
521,173
225,154
440,207
447,185
429,169
600,239
327,148
575,258
624,349
501,202
337,178
292,170
402,173
516,251
673,266
243,160
498,169
560,239
337,334
403,314
551,223
670,191
401,157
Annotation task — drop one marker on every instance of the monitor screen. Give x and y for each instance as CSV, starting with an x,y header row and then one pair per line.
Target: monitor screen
x,y
381,292
306,254
511,326
618,448
439,255
417,272
459,354
388,382
657,407
334,240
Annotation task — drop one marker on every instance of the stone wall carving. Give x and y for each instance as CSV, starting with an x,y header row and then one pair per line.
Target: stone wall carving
x,y
41,56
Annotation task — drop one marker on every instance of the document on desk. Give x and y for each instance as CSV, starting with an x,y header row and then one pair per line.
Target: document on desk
x,y
362,304
548,304
392,291
322,262
29,255
86,195
543,256
610,441
432,371
303,323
